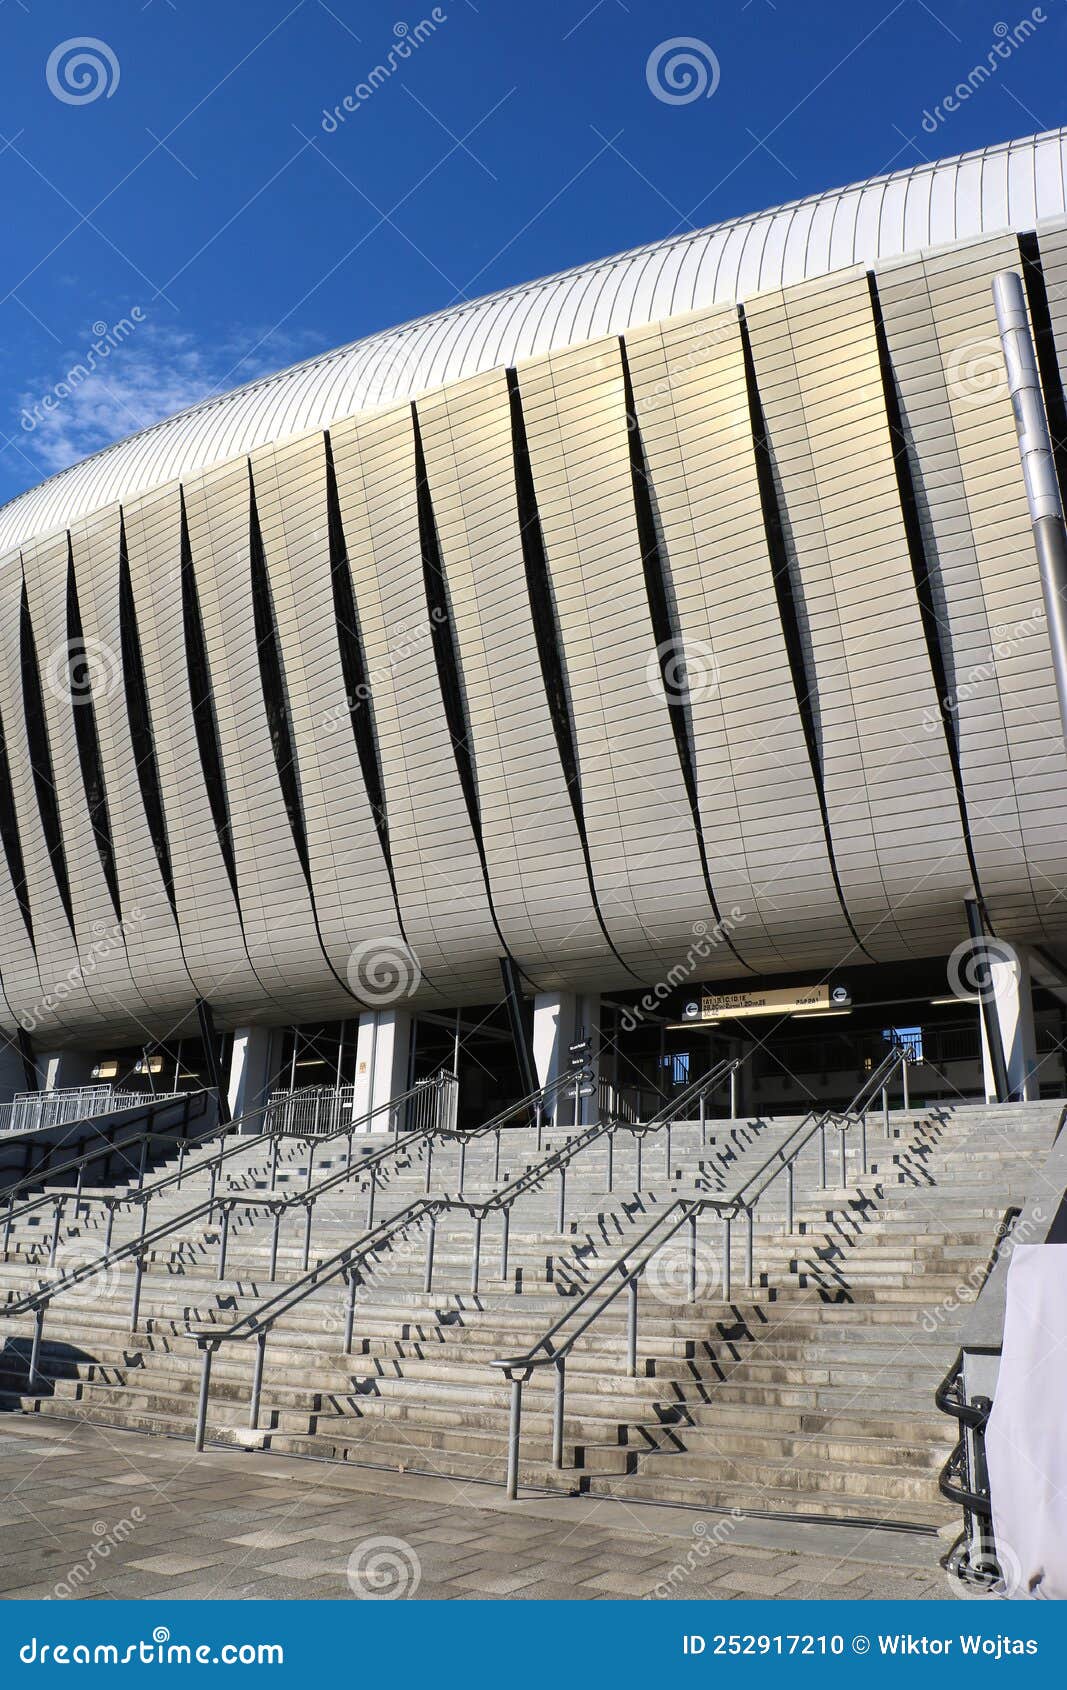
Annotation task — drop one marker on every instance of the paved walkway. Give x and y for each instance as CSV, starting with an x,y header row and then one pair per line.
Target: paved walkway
x,y
90,1513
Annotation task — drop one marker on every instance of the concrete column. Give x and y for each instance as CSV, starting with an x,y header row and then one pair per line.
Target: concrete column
x,y
1014,1007
61,1069
250,1071
560,1019
383,1045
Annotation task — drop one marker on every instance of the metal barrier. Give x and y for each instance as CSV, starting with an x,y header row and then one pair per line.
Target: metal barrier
x,y
624,1274
30,1111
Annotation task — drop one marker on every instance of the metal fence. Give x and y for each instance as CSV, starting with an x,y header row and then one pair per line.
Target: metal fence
x,y
29,1111
321,1110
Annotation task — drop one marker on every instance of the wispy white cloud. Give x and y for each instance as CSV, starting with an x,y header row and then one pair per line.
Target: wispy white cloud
x,y
155,371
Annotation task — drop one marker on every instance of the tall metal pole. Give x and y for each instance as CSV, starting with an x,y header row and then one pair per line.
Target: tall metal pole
x,y
1039,467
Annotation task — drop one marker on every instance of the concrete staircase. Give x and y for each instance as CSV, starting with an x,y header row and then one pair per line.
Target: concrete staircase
x,y
809,1393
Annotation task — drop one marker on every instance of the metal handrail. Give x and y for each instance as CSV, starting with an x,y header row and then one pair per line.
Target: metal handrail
x,y
257,1322
70,1104
624,1274
84,1158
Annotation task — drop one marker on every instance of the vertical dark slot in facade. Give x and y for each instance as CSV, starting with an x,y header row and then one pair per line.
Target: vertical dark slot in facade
x,y
446,658
41,758
139,714
272,679
670,646
920,563
79,676
353,660
788,612
546,631
203,706
1048,363
9,836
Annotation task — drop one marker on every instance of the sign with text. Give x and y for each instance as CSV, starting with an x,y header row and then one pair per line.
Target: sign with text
x,y
780,1000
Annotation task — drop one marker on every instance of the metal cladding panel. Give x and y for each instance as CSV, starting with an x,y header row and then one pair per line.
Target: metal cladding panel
x,y
536,865
873,610
447,917
353,895
279,922
212,941
758,801
642,839
861,224
62,1004
150,933
99,934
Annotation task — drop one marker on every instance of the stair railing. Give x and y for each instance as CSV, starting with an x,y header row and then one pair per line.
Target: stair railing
x,y
347,1262
625,1272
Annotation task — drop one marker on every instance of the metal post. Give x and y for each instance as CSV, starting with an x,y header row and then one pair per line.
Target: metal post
x,y
350,1316
885,1110
370,1199
1039,467
790,1192
611,1159
733,1094
904,1082
273,1272
135,1306
844,1158
211,1193
640,1142
35,1348
667,1146
693,1257
703,1120
430,1237
476,1255
561,1219
224,1239
822,1155
726,1262
144,1163
863,1141
462,1162
79,1187
257,1379
514,1428
307,1235
8,1223
201,1407
749,1274
540,1117
274,1152
496,1158
429,1163
56,1224
110,1228
311,1165
631,1328
557,1412
505,1229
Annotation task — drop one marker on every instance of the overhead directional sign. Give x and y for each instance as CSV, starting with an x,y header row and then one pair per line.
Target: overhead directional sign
x,y
778,1000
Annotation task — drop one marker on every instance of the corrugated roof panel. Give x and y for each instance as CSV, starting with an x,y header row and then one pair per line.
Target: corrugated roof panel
x,y
1002,188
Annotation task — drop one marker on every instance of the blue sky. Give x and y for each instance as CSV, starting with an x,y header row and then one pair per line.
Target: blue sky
x,y
201,189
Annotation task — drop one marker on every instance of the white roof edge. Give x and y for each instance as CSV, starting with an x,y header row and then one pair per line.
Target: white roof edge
x,y
1007,187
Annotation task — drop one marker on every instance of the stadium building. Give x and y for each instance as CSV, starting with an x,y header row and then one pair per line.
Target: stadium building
x,y
656,654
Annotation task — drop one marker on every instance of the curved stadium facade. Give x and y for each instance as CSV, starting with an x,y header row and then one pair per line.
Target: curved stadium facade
x,y
674,619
